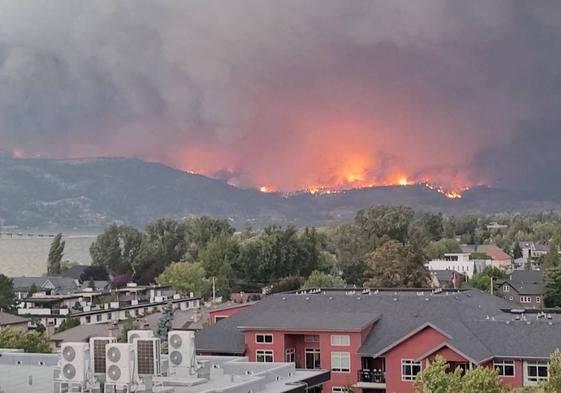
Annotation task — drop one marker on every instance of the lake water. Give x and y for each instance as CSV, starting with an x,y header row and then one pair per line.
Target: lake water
x,y
27,256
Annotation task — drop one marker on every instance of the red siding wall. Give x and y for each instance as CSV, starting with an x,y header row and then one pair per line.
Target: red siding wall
x,y
225,312
412,348
284,340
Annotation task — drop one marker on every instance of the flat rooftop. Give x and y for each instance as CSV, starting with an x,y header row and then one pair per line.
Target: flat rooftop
x,y
35,373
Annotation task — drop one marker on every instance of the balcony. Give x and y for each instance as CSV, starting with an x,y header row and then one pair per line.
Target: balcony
x,y
371,379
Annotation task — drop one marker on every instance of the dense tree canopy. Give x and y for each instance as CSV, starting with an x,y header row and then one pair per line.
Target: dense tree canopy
x,y
185,277
56,253
14,338
322,280
116,248
8,299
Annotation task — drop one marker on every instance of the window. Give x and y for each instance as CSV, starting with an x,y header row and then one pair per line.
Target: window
x,y
219,318
538,299
264,356
409,369
290,355
525,299
312,358
264,338
505,368
341,362
340,340
88,319
537,371
311,339
506,288
98,317
339,389
109,316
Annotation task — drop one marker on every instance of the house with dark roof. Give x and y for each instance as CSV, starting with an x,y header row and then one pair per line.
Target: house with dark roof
x,y
525,287
15,321
447,279
378,340
47,285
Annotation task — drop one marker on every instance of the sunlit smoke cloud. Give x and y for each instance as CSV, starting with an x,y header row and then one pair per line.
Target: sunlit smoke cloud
x,y
286,95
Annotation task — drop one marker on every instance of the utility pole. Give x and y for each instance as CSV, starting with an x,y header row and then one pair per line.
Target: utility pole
x,y
491,284
213,289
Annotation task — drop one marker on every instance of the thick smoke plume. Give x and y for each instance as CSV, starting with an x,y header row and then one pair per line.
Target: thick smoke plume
x,y
289,94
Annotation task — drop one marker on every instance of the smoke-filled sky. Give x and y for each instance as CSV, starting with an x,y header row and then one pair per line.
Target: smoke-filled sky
x,y
294,93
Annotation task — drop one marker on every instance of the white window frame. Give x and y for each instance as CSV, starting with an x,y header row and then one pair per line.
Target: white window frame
x,y
218,318
410,363
500,366
537,378
312,351
340,340
339,389
312,338
506,288
525,299
290,355
264,353
340,357
263,337
538,299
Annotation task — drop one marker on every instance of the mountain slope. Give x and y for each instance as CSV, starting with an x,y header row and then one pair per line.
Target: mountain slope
x,y
91,193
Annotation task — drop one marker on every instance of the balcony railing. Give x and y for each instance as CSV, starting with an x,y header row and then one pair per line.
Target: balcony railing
x,y
373,376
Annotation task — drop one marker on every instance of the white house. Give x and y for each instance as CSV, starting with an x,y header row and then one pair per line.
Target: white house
x,y
459,262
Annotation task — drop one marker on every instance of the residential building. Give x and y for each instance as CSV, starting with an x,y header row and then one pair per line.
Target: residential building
x,y
499,258
15,321
378,340
47,285
447,279
224,311
459,262
533,250
525,287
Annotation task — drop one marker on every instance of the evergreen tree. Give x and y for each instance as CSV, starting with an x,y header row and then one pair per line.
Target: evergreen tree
x,y
8,298
553,385
551,259
54,262
517,251
32,289
165,323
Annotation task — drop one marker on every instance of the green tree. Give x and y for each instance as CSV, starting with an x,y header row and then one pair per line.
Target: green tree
x,y
551,259
395,265
351,245
201,230
219,258
482,379
321,280
185,277
287,284
164,242
165,323
116,248
553,385
32,290
390,221
14,338
517,251
128,325
552,295
437,248
68,323
483,280
435,378
56,252
8,298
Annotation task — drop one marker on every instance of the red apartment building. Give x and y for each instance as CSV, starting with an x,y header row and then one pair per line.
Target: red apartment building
x,y
377,341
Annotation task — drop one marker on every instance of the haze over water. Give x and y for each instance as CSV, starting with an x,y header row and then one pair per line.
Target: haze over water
x,y
27,256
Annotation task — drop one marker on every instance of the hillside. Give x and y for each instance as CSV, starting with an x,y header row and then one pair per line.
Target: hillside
x,y
89,194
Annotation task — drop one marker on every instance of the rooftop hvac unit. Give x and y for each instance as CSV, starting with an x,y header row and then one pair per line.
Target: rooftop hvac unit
x,y
97,353
181,348
133,335
73,363
147,356
118,366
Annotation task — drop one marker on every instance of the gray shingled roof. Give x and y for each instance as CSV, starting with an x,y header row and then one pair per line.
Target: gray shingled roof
x,y
10,319
527,282
396,315
62,284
